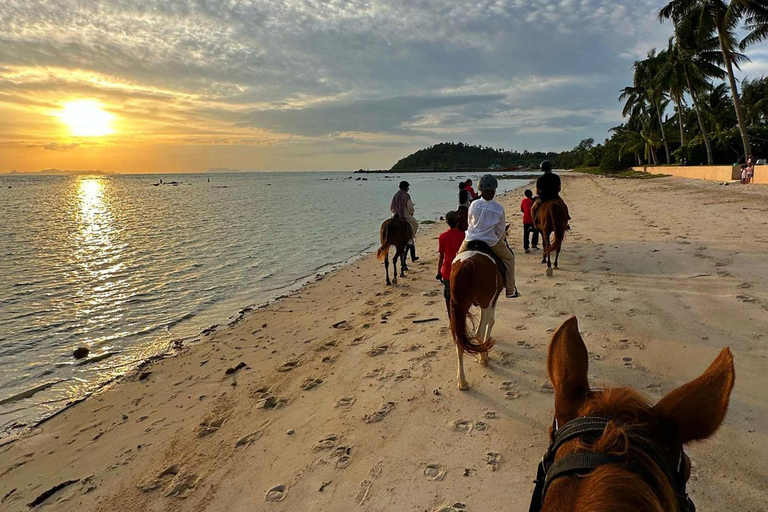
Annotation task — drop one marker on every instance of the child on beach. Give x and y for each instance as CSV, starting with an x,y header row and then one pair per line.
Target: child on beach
x,y
525,207
448,246
472,194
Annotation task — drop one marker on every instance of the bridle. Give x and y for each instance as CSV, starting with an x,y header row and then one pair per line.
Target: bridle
x,y
583,462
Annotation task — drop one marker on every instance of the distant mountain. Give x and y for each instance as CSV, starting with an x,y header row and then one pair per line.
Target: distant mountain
x,y
457,156
60,172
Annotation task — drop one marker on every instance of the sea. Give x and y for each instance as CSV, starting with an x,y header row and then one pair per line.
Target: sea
x,y
126,266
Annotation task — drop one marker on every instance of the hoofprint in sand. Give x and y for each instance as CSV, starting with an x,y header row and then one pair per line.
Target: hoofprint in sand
x,y
345,403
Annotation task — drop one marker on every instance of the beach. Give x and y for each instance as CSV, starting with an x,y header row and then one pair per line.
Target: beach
x,y
339,398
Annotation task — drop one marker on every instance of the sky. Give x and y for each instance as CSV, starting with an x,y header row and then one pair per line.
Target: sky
x,y
187,85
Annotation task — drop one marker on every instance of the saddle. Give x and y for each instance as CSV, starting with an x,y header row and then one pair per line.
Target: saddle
x,y
407,224
477,245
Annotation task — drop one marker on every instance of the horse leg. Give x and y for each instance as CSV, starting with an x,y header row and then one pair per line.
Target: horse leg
x,y
487,319
557,256
550,272
386,268
544,245
403,266
482,328
460,379
394,266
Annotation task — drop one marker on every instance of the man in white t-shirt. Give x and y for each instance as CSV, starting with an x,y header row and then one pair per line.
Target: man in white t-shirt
x,y
487,223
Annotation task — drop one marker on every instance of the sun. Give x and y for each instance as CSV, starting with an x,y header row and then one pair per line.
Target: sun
x,y
86,118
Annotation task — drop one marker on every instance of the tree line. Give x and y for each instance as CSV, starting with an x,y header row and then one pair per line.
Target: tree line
x,y
714,121
448,156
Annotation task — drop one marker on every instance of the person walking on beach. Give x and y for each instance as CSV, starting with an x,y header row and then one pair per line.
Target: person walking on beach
x,y
547,189
487,223
401,207
472,194
448,245
525,207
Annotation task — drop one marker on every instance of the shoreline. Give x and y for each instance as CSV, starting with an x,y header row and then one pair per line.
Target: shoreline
x,y
175,346
337,398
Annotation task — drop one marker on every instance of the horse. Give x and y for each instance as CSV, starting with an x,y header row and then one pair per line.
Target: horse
x,y
611,450
397,233
475,281
552,217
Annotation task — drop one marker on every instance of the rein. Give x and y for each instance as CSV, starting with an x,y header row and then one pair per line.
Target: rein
x,y
583,462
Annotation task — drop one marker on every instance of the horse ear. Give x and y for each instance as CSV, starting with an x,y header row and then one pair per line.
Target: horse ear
x,y
698,408
567,364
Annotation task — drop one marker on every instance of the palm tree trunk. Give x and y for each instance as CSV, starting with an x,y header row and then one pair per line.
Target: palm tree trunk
x,y
703,128
680,119
663,137
735,95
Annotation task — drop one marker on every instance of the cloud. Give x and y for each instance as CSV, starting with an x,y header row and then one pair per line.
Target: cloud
x,y
55,146
301,75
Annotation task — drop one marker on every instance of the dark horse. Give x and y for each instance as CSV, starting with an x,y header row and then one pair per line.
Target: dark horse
x,y
394,232
552,217
610,448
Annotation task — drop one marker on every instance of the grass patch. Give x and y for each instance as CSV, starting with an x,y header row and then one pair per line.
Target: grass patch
x,y
627,174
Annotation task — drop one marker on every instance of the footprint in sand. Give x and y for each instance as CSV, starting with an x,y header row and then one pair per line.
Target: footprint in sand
x,y
344,456
379,415
311,383
511,392
455,507
747,299
269,401
402,375
374,374
462,425
330,359
365,489
434,472
208,427
493,460
276,494
327,442
377,351
288,365
246,441
344,402
491,415
401,331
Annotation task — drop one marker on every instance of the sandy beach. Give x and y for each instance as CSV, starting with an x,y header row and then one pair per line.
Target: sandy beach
x,y
336,399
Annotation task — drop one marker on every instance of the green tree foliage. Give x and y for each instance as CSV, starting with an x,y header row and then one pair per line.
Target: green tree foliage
x,y
449,156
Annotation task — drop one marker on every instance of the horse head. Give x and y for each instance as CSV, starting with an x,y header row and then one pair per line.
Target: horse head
x,y
616,450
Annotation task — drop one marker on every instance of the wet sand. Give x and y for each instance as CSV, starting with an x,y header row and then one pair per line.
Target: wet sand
x,y
335,399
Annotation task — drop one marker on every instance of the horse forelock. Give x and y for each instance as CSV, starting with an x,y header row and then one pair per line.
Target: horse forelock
x,y
612,487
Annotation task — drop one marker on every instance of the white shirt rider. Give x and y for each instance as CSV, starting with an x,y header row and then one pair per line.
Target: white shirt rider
x,y
487,221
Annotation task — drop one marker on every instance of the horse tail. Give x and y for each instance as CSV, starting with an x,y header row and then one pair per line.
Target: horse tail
x,y
462,282
385,243
557,226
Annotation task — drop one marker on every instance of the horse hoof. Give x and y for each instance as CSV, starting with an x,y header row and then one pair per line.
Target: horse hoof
x,y
483,359
549,272
389,283
463,386
394,281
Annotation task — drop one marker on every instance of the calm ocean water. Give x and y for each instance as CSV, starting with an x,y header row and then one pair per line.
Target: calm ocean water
x,y
124,267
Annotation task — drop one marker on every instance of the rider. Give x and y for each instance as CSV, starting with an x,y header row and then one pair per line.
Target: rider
x,y
401,207
487,223
547,189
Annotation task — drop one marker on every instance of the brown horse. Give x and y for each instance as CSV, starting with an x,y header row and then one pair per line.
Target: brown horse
x,y
394,232
611,449
552,217
475,281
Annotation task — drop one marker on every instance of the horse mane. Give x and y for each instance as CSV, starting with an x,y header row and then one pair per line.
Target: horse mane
x,y
645,488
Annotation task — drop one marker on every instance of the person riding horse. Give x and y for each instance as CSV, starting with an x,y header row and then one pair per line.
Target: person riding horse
x,y
547,189
487,223
401,207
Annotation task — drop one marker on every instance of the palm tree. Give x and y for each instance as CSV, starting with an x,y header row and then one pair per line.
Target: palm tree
x,y
721,17
646,93
756,22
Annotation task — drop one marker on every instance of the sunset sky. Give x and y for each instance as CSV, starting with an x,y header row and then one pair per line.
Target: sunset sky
x,y
184,85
